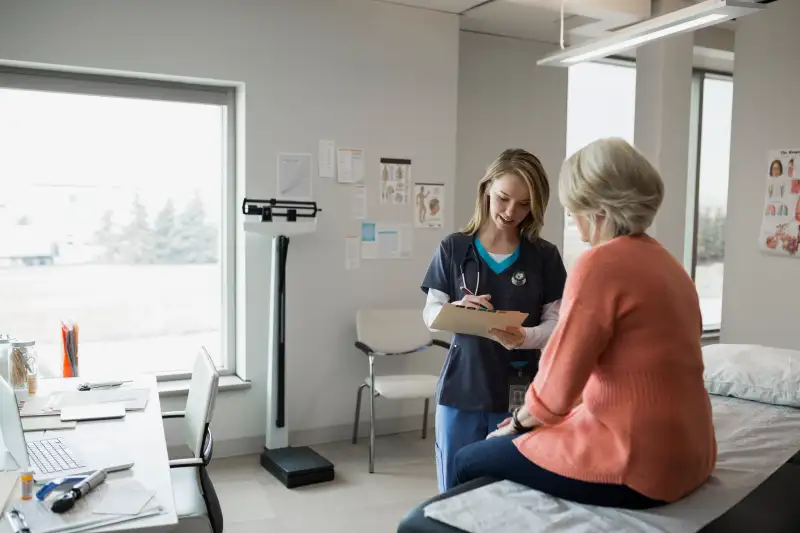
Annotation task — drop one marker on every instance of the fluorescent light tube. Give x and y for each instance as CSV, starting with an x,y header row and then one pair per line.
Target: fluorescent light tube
x,y
691,18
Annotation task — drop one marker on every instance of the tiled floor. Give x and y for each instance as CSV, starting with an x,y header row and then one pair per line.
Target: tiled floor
x,y
356,501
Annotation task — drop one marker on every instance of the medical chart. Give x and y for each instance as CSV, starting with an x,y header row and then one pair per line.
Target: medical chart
x,y
359,202
350,165
780,222
395,175
327,159
428,205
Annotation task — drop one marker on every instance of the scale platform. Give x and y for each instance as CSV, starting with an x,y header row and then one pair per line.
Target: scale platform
x,y
297,467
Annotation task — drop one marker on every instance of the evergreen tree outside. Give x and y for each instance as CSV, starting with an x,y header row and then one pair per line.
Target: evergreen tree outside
x,y
710,237
164,232
173,238
107,236
137,245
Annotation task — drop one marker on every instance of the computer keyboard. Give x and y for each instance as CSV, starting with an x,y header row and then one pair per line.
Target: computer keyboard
x,y
52,455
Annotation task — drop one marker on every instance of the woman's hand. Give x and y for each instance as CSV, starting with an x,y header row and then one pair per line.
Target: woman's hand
x,y
476,302
511,338
506,427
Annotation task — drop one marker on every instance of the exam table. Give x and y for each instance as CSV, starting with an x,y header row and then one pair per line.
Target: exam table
x,y
771,508
753,489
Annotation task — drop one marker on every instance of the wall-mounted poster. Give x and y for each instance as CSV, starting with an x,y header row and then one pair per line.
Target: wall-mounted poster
x,y
395,180
428,205
780,222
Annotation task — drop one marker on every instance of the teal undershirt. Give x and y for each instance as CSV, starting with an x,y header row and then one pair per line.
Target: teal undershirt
x,y
498,267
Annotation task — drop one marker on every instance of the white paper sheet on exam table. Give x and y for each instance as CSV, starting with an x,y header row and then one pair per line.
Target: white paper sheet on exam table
x,y
50,404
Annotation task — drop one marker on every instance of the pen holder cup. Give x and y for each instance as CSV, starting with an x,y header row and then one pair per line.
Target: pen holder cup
x,y
69,370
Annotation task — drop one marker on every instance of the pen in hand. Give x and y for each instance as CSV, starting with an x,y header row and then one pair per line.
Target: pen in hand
x,y
468,292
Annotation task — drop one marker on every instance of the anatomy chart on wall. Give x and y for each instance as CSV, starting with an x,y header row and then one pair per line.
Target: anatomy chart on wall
x,y
395,180
780,226
428,205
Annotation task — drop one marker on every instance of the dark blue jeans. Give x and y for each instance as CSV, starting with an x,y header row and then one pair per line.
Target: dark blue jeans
x,y
499,458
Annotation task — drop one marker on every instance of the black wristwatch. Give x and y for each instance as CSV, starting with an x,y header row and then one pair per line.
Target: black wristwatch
x,y
518,427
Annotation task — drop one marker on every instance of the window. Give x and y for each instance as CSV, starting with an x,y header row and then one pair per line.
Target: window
x,y
601,103
715,96
116,212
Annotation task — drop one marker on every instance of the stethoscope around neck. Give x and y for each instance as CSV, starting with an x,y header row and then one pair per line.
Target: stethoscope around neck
x,y
470,255
518,278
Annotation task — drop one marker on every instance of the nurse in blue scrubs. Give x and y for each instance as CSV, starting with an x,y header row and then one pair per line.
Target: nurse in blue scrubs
x,y
498,261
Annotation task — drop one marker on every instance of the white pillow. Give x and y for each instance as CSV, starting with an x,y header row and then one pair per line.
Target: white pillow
x,y
751,372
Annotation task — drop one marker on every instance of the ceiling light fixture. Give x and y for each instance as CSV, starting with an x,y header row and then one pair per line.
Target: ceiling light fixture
x,y
692,18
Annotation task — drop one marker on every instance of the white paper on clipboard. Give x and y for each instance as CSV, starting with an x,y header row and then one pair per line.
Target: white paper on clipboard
x,y
469,321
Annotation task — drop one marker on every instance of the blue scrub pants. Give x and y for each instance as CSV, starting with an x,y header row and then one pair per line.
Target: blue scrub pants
x,y
499,458
456,429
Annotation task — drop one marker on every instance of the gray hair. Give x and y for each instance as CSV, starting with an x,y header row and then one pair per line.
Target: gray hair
x,y
612,179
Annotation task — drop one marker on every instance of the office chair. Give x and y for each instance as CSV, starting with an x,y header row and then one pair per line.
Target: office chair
x,y
389,332
196,501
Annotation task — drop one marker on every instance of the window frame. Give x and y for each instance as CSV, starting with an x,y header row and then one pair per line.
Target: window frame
x,y
695,154
189,91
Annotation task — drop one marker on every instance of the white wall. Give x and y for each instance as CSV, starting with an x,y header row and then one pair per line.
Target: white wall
x,y
506,101
761,293
368,74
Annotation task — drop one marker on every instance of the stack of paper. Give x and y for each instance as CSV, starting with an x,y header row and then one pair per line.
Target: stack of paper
x,y
133,399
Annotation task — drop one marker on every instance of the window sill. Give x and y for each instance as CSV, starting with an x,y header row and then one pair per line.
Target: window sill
x,y
180,387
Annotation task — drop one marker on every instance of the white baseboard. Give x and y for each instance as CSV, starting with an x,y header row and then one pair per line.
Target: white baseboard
x,y
314,436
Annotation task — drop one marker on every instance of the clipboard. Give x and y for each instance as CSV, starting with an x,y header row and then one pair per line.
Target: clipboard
x,y
469,321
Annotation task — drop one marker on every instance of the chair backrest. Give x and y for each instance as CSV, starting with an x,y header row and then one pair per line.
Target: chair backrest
x,y
392,330
200,402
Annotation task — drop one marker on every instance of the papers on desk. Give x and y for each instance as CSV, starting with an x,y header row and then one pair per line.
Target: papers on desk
x,y
112,502
43,423
133,399
456,319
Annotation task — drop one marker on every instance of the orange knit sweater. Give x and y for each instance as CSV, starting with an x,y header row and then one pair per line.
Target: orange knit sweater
x,y
620,390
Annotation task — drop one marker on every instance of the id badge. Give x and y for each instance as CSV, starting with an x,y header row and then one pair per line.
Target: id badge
x,y
517,388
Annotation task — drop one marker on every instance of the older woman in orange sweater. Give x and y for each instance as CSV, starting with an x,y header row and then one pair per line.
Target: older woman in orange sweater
x,y
618,414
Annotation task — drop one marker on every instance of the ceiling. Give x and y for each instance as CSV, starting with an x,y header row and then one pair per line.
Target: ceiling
x,y
540,20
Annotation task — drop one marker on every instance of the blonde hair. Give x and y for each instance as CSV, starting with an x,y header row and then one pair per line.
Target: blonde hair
x,y
612,179
529,169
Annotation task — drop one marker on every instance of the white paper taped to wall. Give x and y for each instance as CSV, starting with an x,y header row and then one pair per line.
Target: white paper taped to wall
x,y
294,176
352,253
327,159
350,163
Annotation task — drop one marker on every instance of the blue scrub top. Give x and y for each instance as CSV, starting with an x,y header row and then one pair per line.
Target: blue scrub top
x,y
476,373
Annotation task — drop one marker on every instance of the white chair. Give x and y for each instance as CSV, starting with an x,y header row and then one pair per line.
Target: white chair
x,y
385,332
196,501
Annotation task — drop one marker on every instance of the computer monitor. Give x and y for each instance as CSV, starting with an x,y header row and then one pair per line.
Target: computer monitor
x,y
14,450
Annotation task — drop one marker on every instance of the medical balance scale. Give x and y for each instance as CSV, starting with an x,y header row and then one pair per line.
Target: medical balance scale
x,y
293,466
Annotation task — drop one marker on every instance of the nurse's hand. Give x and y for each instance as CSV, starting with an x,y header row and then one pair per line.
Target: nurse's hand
x,y
511,338
476,302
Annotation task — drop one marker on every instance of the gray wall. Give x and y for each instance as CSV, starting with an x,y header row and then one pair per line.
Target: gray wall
x,y
761,293
506,101
368,74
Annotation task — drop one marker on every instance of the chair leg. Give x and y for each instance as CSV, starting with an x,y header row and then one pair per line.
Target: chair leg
x,y
425,419
371,414
358,411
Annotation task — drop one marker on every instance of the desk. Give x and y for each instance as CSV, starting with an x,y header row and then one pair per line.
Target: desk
x,y
140,436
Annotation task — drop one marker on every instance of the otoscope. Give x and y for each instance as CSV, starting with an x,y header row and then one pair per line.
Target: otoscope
x,y
81,489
